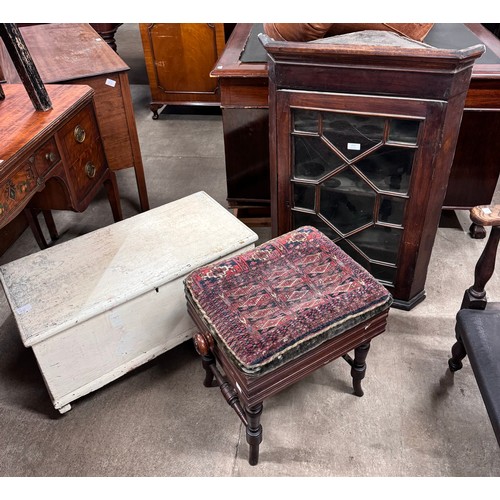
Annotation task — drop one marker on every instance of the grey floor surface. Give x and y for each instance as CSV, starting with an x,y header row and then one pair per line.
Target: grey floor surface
x,y
415,420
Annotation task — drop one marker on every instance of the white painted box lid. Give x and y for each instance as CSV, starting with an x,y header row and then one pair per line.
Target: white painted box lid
x,y
56,288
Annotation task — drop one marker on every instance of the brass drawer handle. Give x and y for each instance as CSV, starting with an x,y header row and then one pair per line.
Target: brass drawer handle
x,y
51,157
79,134
90,170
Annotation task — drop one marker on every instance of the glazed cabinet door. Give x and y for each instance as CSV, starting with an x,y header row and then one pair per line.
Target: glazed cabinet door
x,y
360,169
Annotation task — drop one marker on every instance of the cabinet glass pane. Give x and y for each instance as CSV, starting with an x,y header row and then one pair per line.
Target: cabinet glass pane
x,y
313,158
389,168
403,131
379,243
347,201
391,210
353,134
385,274
305,120
302,219
360,193
303,196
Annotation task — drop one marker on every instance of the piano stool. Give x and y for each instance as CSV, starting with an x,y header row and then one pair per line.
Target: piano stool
x,y
274,314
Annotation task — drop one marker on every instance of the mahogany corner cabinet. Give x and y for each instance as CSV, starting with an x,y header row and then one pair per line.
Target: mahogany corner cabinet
x,y
363,129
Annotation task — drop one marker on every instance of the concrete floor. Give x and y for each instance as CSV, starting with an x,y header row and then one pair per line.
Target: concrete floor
x,y
415,419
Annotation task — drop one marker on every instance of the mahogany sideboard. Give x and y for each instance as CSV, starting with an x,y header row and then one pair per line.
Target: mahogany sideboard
x,y
74,53
51,160
243,78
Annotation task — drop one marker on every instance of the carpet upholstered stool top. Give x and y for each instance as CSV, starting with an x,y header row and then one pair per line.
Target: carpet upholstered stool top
x,y
274,314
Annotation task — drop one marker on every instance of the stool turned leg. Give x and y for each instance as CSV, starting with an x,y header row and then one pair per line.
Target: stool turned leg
x,y
206,362
457,354
358,368
254,432
202,346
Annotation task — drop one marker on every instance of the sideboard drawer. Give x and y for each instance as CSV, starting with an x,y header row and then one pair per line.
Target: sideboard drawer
x,y
15,189
46,157
87,170
80,133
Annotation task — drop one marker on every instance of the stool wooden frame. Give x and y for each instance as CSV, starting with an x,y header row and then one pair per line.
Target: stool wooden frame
x,y
246,393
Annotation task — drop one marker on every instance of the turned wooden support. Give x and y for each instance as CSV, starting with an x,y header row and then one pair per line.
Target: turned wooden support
x,y
207,362
203,344
203,348
250,416
358,366
254,432
229,393
23,62
475,296
458,353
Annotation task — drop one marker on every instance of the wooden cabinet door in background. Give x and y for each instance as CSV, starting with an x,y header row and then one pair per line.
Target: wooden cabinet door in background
x,y
179,58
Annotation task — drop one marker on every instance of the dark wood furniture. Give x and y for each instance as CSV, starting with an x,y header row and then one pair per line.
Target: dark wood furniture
x,y
108,32
74,53
243,81
272,315
243,77
51,160
478,322
362,135
179,58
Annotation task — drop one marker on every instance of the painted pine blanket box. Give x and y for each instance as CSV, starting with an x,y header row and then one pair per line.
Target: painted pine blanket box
x,y
95,307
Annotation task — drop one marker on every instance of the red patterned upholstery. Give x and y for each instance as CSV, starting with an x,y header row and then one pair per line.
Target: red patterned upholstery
x,y
273,303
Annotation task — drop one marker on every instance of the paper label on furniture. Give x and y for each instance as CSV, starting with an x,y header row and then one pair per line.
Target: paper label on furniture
x,y
115,320
110,82
486,210
24,309
356,146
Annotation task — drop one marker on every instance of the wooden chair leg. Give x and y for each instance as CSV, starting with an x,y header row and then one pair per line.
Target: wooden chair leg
x,y
458,353
254,432
358,368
